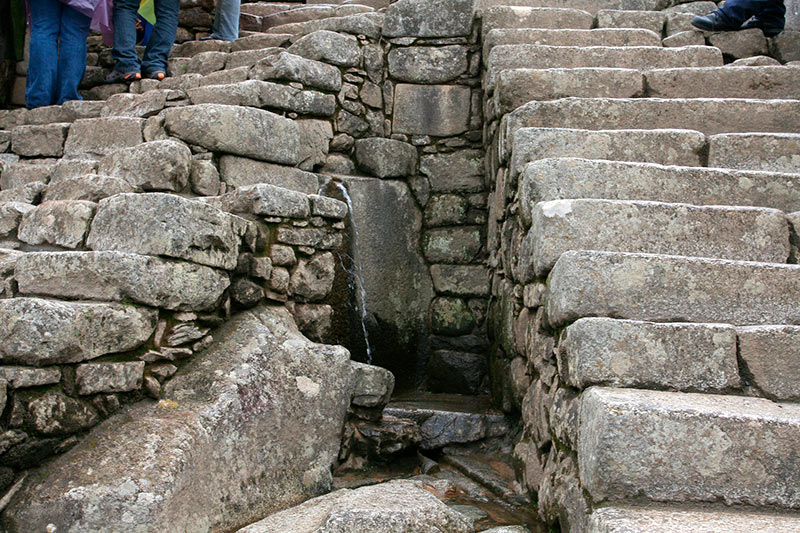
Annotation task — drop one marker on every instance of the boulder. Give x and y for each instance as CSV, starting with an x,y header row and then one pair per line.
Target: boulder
x,y
329,47
42,332
152,166
386,158
438,110
282,65
55,414
264,200
109,377
39,141
424,18
373,385
116,276
165,224
428,64
240,172
312,280
89,187
63,223
251,426
100,136
11,214
461,171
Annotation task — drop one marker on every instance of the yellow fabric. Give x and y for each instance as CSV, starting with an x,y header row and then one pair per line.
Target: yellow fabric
x,y
147,9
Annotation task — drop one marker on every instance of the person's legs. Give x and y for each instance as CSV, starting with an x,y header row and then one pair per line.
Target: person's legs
x,y
739,11
124,52
162,38
226,20
71,54
40,88
770,20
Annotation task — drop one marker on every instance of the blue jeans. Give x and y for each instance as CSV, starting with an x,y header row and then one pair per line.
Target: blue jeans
x,y
226,20
770,13
58,53
161,40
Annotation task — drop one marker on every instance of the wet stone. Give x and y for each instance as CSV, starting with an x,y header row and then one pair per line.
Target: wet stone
x,y
456,372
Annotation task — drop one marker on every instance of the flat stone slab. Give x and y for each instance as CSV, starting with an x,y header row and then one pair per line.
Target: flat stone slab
x,y
264,200
629,18
770,353
553,179
673,519
281,65
241,172
236,130
570,37
251,426
666,147
438,110
257,93
592,6
516,87
42,332
724,82
704,448
504,17
399,505
118,277
756,151
631,354
420,18
512,56
738,233
707,115
666,288
167,225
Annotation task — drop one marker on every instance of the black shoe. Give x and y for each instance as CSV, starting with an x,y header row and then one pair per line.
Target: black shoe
x,y
769,31
122,77
713,22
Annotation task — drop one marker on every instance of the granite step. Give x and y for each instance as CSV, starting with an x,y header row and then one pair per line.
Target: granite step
x,y
568,37
736,450
554,179
707,115
724,82
632,18
664,288
591,6
506,17
513,56
703,519
736,233
772,152
665,147
309,13
263,9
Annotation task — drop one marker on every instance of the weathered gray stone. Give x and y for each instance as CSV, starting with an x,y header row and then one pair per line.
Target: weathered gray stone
x,y
243,58
446,210
256,93
770,353
756,151
756,61
100,136
685,38
63,223
386,158
673,518
625,434
506,17
55,413
312,280
89,187
151,166
135,105
785,46
707,115
18,377
17,175
328,207
738,44
165,224
517,87
400,505
237,130
570,37
438,110
452,245
211,458
322,239
428,64
121,277
329,47
315,138
553,179
11,214
460,280
27,194
368,24
666,147
461,171
451,316
738,233
281,65
241,172
349,123
264,200
204,178
724,82
626,353
73,168
373,385
39,141
109,377
203,63
315,321
422,18
620,18
457,373
671,288
42,332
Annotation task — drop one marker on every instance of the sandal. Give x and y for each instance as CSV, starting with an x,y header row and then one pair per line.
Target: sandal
x,y
156,75
122,77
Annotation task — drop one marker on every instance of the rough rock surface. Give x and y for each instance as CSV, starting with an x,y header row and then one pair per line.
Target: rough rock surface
x,y
156,165
250,427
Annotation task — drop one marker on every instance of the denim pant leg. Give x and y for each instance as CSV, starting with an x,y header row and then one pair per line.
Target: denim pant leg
x,y
40,86
226,20
163,36
124,52
737,12
71,53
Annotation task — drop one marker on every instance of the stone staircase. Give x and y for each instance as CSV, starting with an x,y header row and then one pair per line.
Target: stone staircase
x,y
643,240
